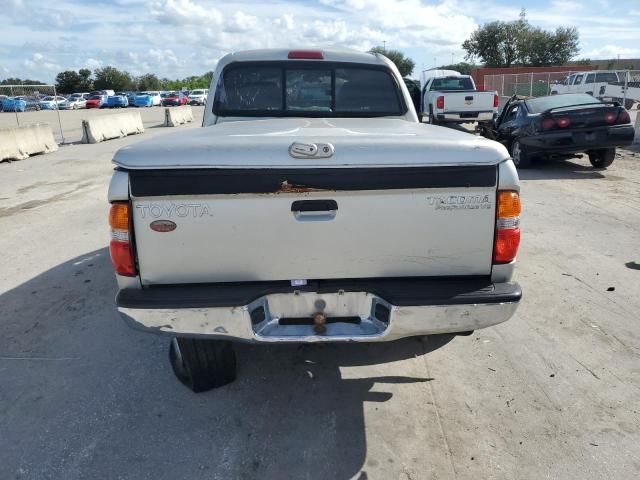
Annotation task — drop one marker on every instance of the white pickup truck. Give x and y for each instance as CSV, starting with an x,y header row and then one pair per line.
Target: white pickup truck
x,y
311,207
605,85
449,97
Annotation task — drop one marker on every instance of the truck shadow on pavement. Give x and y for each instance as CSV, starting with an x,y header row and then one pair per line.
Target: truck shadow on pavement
x,y
543,169
84,396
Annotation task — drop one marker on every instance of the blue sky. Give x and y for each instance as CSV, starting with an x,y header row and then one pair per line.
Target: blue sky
x,y
177,38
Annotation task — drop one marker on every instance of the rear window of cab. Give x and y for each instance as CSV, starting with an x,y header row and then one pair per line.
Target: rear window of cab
x,y
322,89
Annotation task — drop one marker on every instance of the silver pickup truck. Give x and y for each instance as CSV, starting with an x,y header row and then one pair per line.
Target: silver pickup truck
x,y
311,207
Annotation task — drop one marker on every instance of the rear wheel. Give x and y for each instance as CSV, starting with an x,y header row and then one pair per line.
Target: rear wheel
x,y
432,118
519,154
202,364
602,158
628,104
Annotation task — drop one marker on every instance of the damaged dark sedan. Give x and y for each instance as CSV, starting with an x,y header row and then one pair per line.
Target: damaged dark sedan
x,y
561,126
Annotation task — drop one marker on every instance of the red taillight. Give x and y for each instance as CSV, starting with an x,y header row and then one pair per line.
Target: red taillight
x,y
120,248
507,238
623,117
306,55
610,118
563,122
506,246
496,101
440,103
548,123
122,258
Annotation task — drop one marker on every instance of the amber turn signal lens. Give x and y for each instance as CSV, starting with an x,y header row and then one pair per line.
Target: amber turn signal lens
x,y
508,204
119,216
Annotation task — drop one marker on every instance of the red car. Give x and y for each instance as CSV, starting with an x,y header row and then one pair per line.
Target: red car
x,y
95,101
175,99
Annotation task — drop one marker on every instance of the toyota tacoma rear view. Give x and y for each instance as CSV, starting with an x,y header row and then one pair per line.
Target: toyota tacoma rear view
x,y
311,206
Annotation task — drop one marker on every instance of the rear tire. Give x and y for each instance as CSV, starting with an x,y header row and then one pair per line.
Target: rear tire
x,y
521,158
432,118
202,365
628,104
602,158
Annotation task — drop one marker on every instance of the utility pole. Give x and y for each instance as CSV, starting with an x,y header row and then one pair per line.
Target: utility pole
x,y
384,46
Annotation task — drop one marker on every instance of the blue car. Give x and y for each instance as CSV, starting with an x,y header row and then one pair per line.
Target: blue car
x,y
131,98
117,101
143,100
14,105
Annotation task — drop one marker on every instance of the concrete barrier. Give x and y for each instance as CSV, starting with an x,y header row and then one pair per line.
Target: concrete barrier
x,y
636,138
20,142
177,116
108,127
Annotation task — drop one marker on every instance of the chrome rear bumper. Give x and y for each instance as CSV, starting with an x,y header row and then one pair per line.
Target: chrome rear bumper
x,y
352,316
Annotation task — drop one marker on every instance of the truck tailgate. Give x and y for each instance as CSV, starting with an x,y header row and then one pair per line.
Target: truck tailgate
x,y
468,102
233,225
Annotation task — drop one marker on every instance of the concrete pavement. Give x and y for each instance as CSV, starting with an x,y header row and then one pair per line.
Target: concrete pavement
x,y
553,393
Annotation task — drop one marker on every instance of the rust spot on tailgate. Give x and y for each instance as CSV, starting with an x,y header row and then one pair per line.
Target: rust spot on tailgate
x,y
286,187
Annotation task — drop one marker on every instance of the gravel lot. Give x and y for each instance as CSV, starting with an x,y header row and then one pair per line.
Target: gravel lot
x,y
551,394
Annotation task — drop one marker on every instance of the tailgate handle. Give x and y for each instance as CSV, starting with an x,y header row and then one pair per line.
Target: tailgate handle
x,y
470,97
314,210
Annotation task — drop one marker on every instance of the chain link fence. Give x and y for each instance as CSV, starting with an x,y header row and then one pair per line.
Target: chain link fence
x,y
28,104
616,85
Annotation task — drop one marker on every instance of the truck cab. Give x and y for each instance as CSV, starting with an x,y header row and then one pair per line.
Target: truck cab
x,y
584,82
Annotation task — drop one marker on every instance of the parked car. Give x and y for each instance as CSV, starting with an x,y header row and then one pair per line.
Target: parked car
x,y
82,95
117,101
2,99
52,103
562,126
131,98
14,104
147,99
97,101
142,99
31,102
449,97
73,103
198,97
329,214
175,99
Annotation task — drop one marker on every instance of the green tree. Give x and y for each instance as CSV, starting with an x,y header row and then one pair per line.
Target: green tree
x,y
502,44
18,81
405,64
86,83
67,82
148,82
110,78
495,43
